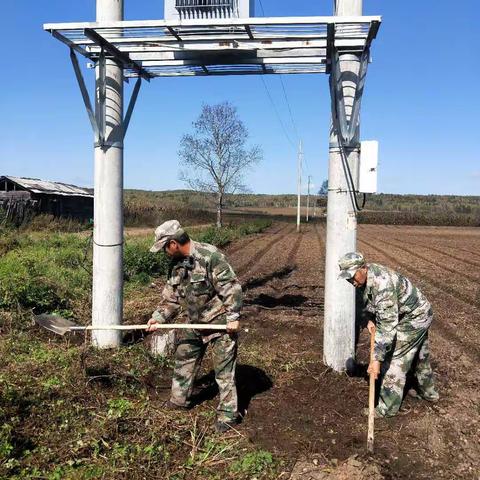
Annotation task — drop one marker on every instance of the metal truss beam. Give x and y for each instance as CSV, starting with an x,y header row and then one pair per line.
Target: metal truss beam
x,y
98,121
121,57
216,22
248,46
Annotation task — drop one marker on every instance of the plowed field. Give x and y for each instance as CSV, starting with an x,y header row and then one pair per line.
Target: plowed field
x,y
296,407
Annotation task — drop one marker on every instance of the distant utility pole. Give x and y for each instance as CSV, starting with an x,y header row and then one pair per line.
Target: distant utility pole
x,y
299,186
339,318
308,197
107,293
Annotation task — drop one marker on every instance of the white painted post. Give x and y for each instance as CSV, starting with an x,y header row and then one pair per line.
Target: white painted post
x,y
107,294
308,197
339,318
299,184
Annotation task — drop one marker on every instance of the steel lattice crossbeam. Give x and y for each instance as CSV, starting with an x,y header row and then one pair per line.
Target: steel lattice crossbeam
x,y
157,48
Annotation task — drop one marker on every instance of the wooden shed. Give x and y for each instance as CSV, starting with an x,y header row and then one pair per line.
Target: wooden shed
x,y
21,197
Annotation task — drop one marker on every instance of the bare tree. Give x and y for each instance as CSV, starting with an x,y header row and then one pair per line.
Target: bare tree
x,y
214,158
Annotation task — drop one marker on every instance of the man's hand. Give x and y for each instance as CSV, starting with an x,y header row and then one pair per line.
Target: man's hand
x,y
152,323
374,369
233,327
371,327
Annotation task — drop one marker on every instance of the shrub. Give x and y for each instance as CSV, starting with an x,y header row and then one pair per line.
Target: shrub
x,y
43,275
51,223
140,264
219,237
8,240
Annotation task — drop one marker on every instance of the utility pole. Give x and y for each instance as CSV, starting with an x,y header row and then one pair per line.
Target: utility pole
x,y
299,184
339,319
107,293
308,197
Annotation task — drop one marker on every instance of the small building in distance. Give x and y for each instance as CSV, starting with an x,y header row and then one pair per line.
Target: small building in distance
x,y
21,197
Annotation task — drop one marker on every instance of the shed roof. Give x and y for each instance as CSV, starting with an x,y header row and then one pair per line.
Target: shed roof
x,y
36,185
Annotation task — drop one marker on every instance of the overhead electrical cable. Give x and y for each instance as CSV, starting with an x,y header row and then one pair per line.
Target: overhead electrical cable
x,y
261,6
287,136
292,119
289,107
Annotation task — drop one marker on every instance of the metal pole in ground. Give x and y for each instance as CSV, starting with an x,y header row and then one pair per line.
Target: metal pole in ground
x,y
299,184
308,198
107,294
339,318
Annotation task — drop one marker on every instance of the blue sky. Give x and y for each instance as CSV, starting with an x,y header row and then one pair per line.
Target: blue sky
x,y
420,102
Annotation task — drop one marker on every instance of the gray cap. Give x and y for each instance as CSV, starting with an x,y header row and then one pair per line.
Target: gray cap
x,y
349,264
167,231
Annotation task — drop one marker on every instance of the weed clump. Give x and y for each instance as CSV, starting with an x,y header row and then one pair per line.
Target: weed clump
x,y
43,275
221,237
140,265
254,464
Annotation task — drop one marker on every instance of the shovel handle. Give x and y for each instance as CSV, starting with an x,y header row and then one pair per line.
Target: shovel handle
x,y
371,400
158,326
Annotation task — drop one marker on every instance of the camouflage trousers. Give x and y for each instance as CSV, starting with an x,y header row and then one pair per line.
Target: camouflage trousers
x,y
188,357
410,354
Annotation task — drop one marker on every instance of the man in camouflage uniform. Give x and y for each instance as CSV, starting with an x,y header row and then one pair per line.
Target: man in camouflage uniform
x,y
202,284
402,318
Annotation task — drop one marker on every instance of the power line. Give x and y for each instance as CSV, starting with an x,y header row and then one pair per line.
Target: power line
x,y
288,105
303,162
284,89
278,114
292,120
261,6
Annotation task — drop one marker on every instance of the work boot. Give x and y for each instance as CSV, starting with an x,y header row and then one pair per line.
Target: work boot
x,y
377,414
170,406
223,427
433,398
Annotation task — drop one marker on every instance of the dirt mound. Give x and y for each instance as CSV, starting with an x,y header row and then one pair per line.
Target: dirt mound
x,y
352,469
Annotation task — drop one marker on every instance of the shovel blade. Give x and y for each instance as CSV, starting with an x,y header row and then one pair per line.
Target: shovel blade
x,y
54,323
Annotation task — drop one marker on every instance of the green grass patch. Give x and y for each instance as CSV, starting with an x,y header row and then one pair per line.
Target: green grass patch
x,y
259,463
73,412
42,272
68,411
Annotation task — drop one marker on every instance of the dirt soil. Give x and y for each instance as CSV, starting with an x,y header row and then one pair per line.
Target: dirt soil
x,y
302,411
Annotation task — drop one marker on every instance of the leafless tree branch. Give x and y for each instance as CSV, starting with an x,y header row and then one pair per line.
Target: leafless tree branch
x,y
214,158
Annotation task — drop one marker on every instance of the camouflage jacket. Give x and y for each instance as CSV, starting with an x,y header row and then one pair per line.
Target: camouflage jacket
x,y
204,286
397,305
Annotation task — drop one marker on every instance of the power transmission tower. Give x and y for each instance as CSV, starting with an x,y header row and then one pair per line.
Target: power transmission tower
x,y
299,185
308,197
338,45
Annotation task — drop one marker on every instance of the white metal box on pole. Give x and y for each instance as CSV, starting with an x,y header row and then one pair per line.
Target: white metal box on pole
x,y
197,9
367,182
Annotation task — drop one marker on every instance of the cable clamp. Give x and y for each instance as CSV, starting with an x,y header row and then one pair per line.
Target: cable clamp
x,y
108,246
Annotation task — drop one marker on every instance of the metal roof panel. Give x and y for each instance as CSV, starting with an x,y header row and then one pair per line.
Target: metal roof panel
x,y
36,185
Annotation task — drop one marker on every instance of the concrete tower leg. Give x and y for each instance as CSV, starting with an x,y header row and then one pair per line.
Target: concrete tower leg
x,y
339,318
107,294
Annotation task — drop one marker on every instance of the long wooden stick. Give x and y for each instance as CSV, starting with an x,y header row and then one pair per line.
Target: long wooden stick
x,y
158,326
371,400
